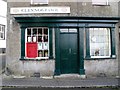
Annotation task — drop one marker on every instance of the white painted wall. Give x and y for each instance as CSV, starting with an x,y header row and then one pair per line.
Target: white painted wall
x,y
3,20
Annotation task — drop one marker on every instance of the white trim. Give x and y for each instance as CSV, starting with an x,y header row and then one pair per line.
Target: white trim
x,y
100,2
100,56
47,10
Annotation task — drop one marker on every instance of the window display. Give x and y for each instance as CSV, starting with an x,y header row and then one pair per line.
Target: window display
x,y
40,37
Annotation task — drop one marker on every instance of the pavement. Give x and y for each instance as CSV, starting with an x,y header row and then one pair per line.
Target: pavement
x,y
61,82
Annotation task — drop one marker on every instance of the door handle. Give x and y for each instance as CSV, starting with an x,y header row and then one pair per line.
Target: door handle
x,y
70,50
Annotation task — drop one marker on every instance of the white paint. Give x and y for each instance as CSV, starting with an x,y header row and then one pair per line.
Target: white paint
x,y
31,10
100,2
3,21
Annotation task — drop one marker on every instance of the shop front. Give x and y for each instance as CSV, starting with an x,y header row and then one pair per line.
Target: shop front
x,y
66,45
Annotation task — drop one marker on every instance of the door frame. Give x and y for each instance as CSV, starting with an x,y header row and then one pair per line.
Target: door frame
x,y
80,43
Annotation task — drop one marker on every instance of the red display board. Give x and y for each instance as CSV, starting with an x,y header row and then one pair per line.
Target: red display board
x,y
31,50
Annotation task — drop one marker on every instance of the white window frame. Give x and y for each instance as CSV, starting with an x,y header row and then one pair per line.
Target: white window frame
x,y
2,31
100,2
37,44
41,3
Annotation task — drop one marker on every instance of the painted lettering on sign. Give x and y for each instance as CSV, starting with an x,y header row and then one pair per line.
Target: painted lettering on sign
x,y
28,10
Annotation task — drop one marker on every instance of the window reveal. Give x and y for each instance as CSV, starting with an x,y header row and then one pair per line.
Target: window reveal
x,y
99,42
38,39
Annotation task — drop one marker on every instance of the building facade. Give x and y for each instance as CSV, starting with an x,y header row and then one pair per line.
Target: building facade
x,y
3,25
54,38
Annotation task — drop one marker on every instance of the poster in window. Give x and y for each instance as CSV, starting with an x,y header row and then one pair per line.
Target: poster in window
x,y
34,39
40,46
31,50
29,39
45,45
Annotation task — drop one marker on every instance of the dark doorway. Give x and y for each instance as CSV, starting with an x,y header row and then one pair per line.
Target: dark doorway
x,y
68,51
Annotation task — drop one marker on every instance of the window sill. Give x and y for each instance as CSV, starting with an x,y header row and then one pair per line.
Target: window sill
x,y
35,59
89,58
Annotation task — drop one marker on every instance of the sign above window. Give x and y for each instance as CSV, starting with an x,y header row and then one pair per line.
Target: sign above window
x,y
31,10
39,1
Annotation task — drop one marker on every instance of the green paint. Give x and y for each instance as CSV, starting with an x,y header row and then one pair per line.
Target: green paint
x,y
68,53
81,51
50,44
75,22
22,43
87,43
57,53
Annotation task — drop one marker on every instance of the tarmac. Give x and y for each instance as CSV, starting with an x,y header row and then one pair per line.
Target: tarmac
x,y
60,82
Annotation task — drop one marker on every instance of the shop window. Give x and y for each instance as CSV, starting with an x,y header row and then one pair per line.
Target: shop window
x,y
2,32
39,1
37,43
100,44
99,2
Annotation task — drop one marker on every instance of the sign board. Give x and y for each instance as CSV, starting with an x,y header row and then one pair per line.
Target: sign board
x,y
31,10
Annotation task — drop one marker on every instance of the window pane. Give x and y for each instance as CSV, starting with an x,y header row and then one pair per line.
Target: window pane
x,y
3,28
2,36
34,31
72,30
0,28
99,42
100,2
2,31
64,30
28,31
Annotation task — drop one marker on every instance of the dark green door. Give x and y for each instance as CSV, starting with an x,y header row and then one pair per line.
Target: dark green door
x,y
68,53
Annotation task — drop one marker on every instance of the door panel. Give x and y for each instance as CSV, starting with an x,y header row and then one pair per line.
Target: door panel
x,y
64,53
73,54
68,53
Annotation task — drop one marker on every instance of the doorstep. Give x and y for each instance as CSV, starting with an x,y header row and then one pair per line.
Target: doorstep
x,y
70,76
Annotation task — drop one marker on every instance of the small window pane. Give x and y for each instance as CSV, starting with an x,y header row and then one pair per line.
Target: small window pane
x,y
72,30
64,30
2,32
34,31
0,28
28,31
2,36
